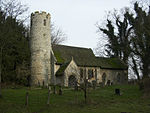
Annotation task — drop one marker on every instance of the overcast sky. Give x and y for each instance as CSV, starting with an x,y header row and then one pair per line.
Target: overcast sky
x,y
77,18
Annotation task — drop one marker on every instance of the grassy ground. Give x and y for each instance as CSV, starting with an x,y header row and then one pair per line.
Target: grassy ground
x,y
101,100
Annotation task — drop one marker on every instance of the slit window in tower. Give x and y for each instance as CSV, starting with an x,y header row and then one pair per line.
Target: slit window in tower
x,y
44,22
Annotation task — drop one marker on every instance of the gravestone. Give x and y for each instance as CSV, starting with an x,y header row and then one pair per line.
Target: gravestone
x,y
60,90
108,82
117,91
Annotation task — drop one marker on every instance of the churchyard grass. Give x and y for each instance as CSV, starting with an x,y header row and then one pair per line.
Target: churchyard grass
x,y
101,100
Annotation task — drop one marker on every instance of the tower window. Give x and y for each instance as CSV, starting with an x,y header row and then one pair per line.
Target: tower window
x,y
44,22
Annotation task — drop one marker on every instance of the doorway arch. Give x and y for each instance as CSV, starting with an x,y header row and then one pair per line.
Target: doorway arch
x,y
72,81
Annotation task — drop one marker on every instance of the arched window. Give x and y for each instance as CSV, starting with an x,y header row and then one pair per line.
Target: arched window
x,y
118,78
104,78
90,73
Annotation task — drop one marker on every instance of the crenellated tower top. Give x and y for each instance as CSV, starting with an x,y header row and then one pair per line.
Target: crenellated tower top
x,y
42,13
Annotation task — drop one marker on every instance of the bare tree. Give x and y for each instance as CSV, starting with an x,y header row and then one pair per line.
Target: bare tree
x,y
0,71
84,85
57,35
13,8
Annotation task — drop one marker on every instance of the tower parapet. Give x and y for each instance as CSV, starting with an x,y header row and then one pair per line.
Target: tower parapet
x,y
40,45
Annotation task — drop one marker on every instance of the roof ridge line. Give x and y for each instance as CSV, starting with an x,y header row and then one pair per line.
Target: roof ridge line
x,y
72,46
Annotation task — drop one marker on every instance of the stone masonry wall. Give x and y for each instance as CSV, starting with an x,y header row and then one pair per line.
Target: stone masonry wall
x,y
72,69
40,44
115,76
111,75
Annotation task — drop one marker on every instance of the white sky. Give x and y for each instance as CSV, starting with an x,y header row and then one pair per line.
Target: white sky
x,y
77,18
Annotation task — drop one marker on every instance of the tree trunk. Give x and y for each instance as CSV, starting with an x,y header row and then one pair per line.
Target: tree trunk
x,y
85,91
54,89
85,96
48,100
145,70
0,71
27,99
135,68
125,59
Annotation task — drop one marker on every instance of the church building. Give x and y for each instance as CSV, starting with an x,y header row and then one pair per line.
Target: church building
x,y
65,65
75,64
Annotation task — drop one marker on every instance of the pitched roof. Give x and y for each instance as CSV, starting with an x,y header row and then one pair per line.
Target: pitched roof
x,y
82,56
110,63
62,69
85,57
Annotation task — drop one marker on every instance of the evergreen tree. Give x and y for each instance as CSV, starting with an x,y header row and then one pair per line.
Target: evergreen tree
x,y
141,38
118,36
129,38
14,47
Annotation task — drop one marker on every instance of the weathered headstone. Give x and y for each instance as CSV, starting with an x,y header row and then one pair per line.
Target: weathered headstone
x,y
117,91
43,83
60,90
108,82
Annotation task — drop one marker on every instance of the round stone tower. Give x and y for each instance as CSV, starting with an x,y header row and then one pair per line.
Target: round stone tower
x,y
40,45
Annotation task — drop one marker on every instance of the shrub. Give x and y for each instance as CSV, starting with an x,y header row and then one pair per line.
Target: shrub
x,y
146,85
141,85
